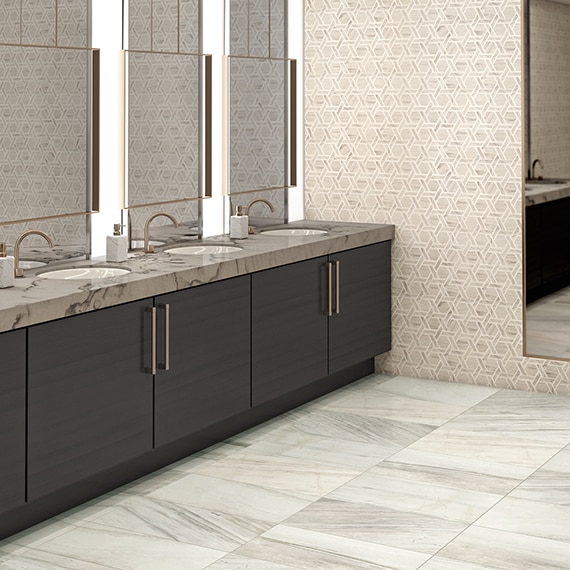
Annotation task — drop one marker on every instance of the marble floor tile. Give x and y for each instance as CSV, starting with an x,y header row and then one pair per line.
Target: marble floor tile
x,y
457,472
441,563
231,497
501,550
377,525
128,550
522,516
235,562
392,487
308,550
182,523
32,559
490,447
303,477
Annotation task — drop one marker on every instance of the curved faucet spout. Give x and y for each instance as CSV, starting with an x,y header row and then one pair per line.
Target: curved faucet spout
x,y
150,248
532,171
18,271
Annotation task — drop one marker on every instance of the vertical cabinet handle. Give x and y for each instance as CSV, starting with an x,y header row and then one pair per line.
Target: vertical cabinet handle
x,y
152,369
330,303
166,365
337,283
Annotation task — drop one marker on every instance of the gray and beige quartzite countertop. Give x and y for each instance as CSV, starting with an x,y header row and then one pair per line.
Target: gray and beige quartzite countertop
x,y
36,300
541,193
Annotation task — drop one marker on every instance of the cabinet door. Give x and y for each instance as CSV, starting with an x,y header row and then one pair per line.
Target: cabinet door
x,y
533,248
209,370
556,242
90,401
289,328
12,419
362,327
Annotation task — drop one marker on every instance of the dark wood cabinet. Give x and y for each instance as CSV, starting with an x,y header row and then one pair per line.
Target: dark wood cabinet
x,y
547,248
360,326
208,345
318,317
12,419
288,327
90,402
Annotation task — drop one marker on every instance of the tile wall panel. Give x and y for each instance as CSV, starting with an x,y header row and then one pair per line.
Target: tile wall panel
x,y
277,29
140,24
39,22
10,21
165,25
190,26
72,23
414,117
259,28
239,27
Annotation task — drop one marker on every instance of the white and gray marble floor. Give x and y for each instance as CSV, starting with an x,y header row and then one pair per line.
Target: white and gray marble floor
x,y
389,473
548,325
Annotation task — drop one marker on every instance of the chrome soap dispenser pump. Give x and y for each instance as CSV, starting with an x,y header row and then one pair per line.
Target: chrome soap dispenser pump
x,y
6,268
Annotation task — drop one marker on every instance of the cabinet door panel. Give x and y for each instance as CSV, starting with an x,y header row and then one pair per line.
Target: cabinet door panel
x,y
209,376
90,401
362,329
289,328
12,419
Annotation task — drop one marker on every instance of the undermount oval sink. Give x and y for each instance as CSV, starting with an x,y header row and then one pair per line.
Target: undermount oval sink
x,y
203,250
295,232
29,264
86,273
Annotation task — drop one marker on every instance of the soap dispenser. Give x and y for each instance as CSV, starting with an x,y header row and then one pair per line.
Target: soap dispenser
x,y
7,278
239,224
117,245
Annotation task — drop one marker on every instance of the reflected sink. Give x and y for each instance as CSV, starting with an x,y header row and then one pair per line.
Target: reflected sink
x,y
85,273
203,250
139,243
546,181
295,232
29,264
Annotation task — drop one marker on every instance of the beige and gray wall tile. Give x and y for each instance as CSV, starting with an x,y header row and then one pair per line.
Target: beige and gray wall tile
x,y
39,22
10,22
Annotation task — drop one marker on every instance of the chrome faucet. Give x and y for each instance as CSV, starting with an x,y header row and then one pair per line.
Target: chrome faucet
x,y
532,173
18,271
150,248
251,229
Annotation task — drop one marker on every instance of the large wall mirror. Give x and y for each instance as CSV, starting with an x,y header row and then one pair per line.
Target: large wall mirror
x,y
49,109
547,184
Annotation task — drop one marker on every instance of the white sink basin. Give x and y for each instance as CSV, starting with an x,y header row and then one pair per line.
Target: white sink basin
x,y
203,250
86,273
295,232
29,264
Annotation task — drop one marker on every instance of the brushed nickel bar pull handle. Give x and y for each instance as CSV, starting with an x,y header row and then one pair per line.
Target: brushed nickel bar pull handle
x,y
166,308
330,308
293,122
208,127
152,369
95,126
337,308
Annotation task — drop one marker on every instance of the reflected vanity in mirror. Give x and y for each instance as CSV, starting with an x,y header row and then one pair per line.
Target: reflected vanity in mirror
x,y
49,137
547,184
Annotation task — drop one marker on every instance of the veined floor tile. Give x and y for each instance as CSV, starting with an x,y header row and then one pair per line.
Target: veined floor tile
x,y
306,478
307,550
378,525
507,550
456,472
465,395
235,562
521,516
31,559
173,521
128,551
356,427
230,497
330,451
390,488
441,563
492,447
38,534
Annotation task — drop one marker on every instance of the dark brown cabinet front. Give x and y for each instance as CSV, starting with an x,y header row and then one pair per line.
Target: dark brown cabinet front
x,y
90,402
12,419
207,353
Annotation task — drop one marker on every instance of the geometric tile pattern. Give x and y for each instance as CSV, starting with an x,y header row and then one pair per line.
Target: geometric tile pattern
x,y
39,22
190,26
140,24
10,21
278,45
239,27
414,117
165,25
549,86
259,28
164,114
72,23
257,124
43,139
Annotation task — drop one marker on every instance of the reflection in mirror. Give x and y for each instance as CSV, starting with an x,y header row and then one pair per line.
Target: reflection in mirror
x,y
47,95
547,185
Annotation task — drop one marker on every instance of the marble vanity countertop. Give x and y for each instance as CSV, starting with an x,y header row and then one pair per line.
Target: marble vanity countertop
x,y
541,193
36,300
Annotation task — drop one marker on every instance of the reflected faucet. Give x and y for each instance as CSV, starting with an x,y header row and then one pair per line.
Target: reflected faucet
x,y
251,229
150,248
532,173
18,271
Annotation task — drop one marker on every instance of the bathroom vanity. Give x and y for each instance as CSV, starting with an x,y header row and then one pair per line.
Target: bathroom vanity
x,y
104,381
